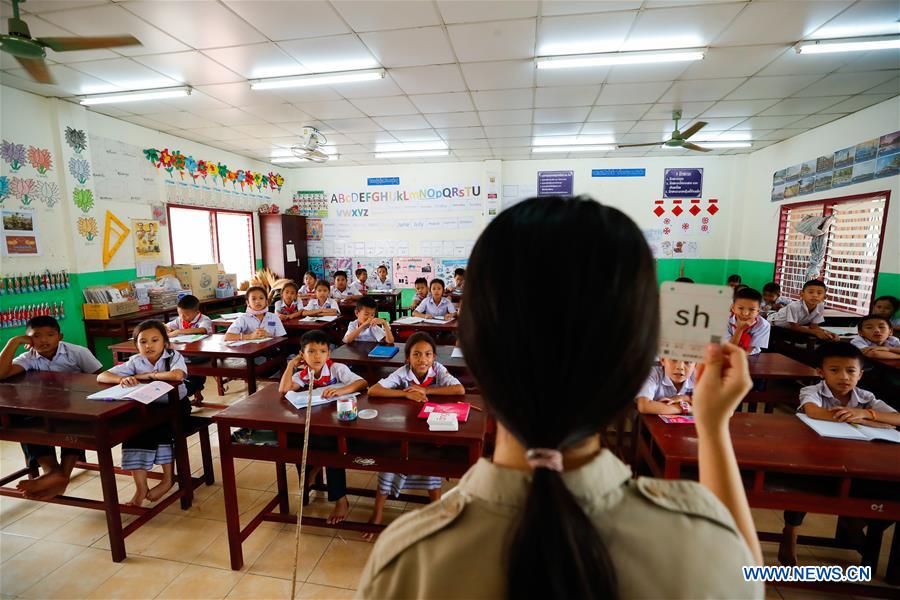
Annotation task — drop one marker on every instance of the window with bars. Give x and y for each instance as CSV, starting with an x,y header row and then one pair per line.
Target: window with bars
x,y
852,249
204,235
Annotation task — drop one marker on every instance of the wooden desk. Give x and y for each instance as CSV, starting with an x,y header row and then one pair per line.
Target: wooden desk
x,y
120,328
291,325
214,348
396,441
771,365
357,354
779,374
445,333
52,409
388,302
788,466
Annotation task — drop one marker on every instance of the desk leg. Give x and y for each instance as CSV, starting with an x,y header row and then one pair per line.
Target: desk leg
x,y
110,495
89,337
672,469
892,575
251,376
284,504
229,488
182,462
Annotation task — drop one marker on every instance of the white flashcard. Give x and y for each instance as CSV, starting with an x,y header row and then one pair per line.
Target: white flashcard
x,y
692,316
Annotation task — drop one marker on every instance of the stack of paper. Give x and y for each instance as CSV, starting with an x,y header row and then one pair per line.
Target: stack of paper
x,y
436,321
442,422
144,394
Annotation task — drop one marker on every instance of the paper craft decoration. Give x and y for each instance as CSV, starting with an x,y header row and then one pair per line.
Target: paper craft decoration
x,y
173,161
22,189
4,188
48,193
83,199
13,154
122,233
87,228
76,139
40,159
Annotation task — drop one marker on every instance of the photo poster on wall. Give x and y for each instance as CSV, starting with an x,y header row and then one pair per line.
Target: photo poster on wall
x,y
371,265
316,264
444,268
409,268
871,159
330,264
20,233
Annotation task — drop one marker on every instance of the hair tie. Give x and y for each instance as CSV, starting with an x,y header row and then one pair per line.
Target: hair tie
x,y
545,458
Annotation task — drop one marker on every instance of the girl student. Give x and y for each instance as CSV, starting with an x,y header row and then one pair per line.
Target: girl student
x,y
309,284
155,361
419,378
323,305
289,307
257,323
554,515
436,305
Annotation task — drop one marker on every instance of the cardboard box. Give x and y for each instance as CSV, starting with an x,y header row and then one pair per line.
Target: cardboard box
x,y
109,310
226,279
202,279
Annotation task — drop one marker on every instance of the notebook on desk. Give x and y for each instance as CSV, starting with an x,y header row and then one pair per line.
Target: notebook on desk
x,y
847,431
384,351
460,409
144,394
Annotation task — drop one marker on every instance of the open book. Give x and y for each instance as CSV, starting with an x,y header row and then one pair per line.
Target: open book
x,y
230,316
187,338
408,321
235,343
850,432
323,318
142,393
300,398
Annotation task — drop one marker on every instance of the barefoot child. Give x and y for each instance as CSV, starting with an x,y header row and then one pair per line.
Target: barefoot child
x,y
339,379
154,362
45,351
418,379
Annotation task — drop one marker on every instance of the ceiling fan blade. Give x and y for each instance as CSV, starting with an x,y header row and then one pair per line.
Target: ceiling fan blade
x,y
37,68
691,146
693,129
66,44
638,145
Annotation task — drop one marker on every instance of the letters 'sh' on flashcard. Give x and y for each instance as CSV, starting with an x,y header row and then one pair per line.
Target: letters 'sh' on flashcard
x,y
693,315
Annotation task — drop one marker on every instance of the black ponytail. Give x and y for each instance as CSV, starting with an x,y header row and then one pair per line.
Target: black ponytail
x,y
556,551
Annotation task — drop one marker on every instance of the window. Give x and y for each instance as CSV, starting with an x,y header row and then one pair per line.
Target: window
x,y
852,249
205,235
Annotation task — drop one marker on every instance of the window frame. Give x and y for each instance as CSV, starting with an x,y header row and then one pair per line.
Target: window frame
x,y
214,227
827,205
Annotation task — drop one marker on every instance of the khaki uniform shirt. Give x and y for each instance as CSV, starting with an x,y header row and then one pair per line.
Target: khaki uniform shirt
x,y
667,539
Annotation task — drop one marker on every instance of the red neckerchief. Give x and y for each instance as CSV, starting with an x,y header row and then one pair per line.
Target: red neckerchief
x,y
288,309
428,380
362,287
189,324
323,379
746,338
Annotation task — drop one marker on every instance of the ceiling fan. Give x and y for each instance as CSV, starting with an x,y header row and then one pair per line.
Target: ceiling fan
x,y
30,51
679,138
310,141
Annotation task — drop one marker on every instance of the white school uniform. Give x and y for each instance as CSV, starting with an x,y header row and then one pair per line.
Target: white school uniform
x,y
138,365
332,373
358,287
759,333
779,303
313,304
659,386
282,308
797,313
69,358
304,289
339,295
391,484
428,306
201,321
381,286
861,342
373,333
820,395
247,323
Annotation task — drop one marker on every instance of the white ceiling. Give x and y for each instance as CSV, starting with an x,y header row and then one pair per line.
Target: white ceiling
x,y
463,71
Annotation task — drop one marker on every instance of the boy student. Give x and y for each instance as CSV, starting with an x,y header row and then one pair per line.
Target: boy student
x,y
340,290
835,398
360,287
887,306
322,305
733,280
381,281
745,327
436,305
772,299
368,327
805,314
875,339
191,320
45,351
339,379
459,278
669,388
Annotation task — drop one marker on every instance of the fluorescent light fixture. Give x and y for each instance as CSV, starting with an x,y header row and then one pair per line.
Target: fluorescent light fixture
x,y
573,140
410,146
317,79
136,96
574,61
577,148
421,154
885,42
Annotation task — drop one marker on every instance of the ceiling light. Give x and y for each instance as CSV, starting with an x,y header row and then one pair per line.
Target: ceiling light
x,y
885,42
422,154
565,149
573,61
409,146
136,96
286,153
573,140
317,79
296,159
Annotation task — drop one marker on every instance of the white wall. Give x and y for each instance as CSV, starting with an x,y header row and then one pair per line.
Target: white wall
x,y
759,218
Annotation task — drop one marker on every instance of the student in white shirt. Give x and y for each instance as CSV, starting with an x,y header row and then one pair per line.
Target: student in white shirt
x,y
805,315
153,362
835,398
45,351
309,283
339,380
257,323
360,287
289,306
367,327
772,298
669,388
422,376
340,290
874,338
322,305
381,282
190,319
459,278
436,305
887,306
745,327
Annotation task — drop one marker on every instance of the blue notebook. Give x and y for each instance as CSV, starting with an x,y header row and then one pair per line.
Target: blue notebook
x,y
384,351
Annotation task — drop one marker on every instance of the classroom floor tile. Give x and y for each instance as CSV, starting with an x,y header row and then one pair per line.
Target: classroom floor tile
x,y
139,577
342,563
200,582
77,578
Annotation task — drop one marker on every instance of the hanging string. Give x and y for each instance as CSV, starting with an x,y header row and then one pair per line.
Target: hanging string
x,y
303,455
